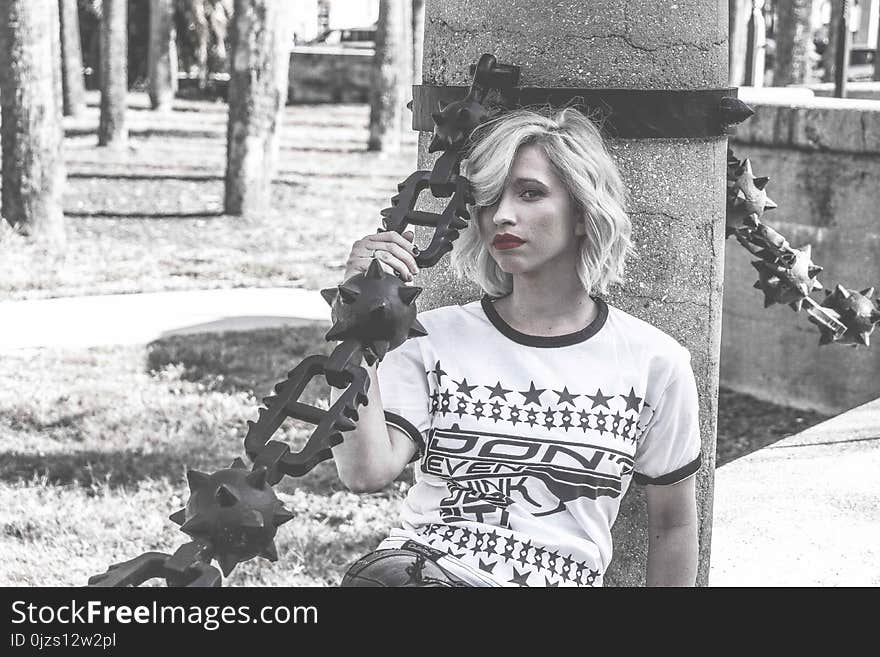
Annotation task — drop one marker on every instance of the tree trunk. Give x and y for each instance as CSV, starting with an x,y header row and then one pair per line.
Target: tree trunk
x,y
418,30
114,73
738,12
876,57
33,168
162,69
73,85
794,43
390,82
828,65
260,53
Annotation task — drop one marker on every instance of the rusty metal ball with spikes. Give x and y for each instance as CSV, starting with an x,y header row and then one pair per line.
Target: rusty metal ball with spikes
x,y
856,310
454,123
235,512
746,194
790,280
375,308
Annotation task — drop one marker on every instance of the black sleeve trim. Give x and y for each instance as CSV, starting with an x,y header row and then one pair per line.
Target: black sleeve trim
x,y
407,427
671,478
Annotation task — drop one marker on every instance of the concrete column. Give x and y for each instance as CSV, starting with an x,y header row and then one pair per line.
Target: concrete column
x,y
677,186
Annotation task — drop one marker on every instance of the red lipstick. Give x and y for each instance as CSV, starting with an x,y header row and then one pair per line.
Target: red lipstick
x,y
507,241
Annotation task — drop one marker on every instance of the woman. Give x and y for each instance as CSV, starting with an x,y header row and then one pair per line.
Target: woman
x,y
531,410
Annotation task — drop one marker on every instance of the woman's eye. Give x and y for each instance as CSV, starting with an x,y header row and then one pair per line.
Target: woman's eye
x,y
531,194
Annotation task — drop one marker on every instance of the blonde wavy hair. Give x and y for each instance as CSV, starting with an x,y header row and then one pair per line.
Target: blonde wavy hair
x,y
574,146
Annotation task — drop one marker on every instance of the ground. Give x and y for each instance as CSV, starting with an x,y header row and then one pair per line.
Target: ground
x,y
94,444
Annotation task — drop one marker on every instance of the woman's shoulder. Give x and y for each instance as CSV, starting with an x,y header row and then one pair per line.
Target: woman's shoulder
x,y
643,336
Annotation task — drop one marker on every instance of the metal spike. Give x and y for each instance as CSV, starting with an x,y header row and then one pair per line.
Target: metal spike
x,y
761,182
869,292
336,332
408,294
814,270
329,295
281,516
252,518
344,424
227,563
864,338
796,305
178,517
818,286
769,204
349,293
842,291
270,552
416,330
436,144
225,496
238,464
374,270
380,348
195,526
257,478
757,285
196,480
386,213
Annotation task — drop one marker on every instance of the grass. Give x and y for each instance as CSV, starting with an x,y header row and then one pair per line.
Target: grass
x,y
150,218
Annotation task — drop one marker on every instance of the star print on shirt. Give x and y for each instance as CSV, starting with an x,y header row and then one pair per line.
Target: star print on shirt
x,y
549,421
514,415
461,407
464,388
600,423
519,578
488,567
565,397
566,420
498,391
532,395
532,417
496,411
439,372
600,400
478,409
632,402
585,420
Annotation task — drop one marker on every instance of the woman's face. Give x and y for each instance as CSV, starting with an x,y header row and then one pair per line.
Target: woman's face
x,y
535,222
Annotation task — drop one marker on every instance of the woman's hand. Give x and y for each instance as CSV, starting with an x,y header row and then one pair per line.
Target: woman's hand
x,y
393,251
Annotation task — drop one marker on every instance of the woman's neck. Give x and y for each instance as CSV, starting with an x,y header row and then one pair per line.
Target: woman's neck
x,y
547,308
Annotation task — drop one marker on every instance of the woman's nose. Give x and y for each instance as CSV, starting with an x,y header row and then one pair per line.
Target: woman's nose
x,y
503,213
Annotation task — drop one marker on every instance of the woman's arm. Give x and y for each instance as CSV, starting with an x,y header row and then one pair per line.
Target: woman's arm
x,y
672,534
373,454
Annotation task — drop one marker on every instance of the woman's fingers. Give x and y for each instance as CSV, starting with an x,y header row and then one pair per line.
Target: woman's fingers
x,y
393,251
399,252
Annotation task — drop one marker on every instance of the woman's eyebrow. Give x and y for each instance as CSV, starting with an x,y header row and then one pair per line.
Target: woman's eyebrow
x,y
529,181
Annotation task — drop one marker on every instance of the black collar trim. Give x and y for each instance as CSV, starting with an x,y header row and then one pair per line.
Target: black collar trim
x,y
541,340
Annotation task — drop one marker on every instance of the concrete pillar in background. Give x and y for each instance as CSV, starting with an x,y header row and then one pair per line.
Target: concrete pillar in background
x,y
677,186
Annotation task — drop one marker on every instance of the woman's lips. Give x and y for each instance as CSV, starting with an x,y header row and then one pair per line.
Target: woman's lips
x,y
504,242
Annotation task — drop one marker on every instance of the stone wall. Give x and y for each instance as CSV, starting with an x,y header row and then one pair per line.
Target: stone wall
x,y
823,159
329,75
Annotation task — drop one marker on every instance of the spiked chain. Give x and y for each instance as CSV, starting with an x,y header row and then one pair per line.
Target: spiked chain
x,y
787,275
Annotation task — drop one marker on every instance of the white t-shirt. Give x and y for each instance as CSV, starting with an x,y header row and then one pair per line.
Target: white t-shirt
x,y
527,444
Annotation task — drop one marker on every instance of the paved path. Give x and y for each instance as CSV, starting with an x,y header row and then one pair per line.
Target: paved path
x,y
140,318
804,511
